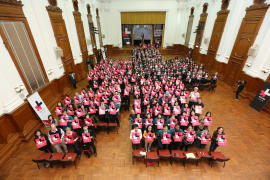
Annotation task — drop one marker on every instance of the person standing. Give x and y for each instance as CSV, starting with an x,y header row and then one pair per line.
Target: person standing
x,y
72,79
87,145
75,144
135,130
160,137
88,64
214,140
241,86
92,63
174,130
61,134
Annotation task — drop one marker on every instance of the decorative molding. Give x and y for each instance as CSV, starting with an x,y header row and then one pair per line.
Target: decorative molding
x,y
204,14
104,1
223,12
107,9
77,13
259,6
179,9
53,8
13,2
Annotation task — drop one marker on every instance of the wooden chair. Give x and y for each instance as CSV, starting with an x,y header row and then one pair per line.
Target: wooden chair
x,y
57,157
212,88
136,154
152,157
69,157
44,157
196,159
218,156
165,154
181,156
102,125
112,125
203,154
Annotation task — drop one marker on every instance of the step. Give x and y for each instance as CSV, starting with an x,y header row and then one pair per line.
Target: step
x,y
30,129
14,138
9,151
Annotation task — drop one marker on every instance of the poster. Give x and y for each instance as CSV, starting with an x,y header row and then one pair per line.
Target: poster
x,y
39,106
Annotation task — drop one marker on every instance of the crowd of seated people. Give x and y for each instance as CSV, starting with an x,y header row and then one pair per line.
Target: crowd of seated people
x,y
157,89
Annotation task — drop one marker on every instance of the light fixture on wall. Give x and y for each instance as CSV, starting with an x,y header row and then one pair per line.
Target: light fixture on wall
x,y
74,57
189,43
80,54
218,53
192,44
227,56
184,41
206,49
248,64
265,70
60,65
50,71
200,47
197,46
19,89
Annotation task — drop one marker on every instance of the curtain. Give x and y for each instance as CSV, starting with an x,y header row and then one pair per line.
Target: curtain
x,y
158,34
126,34
143,17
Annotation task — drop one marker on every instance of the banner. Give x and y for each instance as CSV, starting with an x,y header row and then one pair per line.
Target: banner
x,y
262,97
126,34
158,30
39,106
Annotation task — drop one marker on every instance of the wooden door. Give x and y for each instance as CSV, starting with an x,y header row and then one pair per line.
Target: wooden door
x,y
199,36
215,40
247,34
62,40
189,29
82,42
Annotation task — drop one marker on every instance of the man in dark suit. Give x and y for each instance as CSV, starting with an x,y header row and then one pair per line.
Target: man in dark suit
x,y
142,36
86,146
72,79
214,78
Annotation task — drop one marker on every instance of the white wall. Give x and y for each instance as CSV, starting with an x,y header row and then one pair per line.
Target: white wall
x,y
118,6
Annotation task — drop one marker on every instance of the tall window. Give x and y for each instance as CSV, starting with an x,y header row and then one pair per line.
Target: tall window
x,y
22,48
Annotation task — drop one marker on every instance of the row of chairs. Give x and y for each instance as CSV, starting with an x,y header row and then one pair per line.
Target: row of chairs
x,y
108,126
62,158
165,154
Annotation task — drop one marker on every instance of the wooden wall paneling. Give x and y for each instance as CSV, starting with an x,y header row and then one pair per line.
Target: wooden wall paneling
x,y
62,40
82,42
6,127
189,29
203,58
216,36
50,95
247,34
109,48
199,36
176,48
12,11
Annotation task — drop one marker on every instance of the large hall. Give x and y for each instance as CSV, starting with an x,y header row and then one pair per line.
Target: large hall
x,y
134,89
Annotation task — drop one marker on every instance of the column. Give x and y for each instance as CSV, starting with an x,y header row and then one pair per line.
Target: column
x,y
108,24
178,23
231,29
261,58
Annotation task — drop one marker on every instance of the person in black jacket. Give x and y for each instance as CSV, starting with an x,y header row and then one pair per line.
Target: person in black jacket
x,y
241,86
87,145
47,148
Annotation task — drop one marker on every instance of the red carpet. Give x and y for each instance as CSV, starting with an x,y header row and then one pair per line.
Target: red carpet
x,y
177,53
109,54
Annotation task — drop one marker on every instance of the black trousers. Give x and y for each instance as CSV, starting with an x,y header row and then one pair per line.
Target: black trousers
x,y
135,146
87,145
176,145
185,145
115,118
237,93
74,85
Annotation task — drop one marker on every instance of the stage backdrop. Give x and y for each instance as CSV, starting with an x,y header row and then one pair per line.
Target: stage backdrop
x,y
126,34
150,23
158,34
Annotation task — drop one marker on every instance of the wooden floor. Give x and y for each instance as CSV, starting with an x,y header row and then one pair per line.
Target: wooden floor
x,y
247,131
